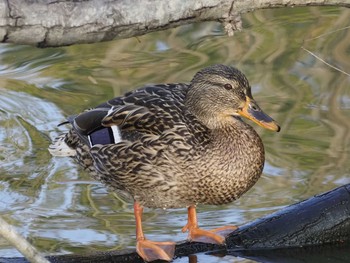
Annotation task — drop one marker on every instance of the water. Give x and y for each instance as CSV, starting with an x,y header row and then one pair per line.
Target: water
x,y
61,210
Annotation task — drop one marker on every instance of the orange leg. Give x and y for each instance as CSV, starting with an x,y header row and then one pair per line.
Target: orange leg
x,y
150,250
214,236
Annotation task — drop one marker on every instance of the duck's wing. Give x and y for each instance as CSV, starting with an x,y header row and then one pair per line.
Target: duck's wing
x,y
150,110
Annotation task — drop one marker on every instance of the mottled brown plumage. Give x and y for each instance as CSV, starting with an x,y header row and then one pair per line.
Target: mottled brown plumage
x,y
176,145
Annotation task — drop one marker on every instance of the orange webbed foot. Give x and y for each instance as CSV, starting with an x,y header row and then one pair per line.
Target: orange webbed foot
x,y
152,250
147,249
214,236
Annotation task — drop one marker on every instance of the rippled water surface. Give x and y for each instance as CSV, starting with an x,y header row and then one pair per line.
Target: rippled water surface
x,y
61,210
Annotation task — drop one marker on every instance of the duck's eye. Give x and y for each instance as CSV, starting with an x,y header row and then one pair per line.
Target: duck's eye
x,y
228,86
254,108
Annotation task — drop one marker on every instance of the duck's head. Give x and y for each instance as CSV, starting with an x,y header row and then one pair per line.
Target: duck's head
x,y
220,94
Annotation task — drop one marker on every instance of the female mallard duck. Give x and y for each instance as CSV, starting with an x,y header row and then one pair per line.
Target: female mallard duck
x,y
173,145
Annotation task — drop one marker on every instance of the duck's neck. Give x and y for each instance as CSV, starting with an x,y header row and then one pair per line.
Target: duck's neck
x,y
237,137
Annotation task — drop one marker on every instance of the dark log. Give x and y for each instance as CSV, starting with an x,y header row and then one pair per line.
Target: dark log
x,y
310,254
65,22
319,220
314,230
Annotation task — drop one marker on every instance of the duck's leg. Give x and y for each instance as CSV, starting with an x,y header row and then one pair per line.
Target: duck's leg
x,y
150,250
214,236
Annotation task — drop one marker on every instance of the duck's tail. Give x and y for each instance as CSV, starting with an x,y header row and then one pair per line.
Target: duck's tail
x,y
60,148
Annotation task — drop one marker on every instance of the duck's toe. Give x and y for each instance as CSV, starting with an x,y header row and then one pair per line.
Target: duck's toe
x,y
224,230
151,250
214,236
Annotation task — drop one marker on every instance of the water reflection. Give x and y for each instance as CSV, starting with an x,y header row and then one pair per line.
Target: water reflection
x,y
62,210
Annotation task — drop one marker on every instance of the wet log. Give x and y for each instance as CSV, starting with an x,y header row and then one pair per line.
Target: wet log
x,y
317,228
65,22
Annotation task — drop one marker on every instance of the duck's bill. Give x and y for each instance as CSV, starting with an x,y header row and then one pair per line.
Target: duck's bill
x,y
252,111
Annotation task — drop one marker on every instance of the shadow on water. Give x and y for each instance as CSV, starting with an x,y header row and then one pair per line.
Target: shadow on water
x,y
61,210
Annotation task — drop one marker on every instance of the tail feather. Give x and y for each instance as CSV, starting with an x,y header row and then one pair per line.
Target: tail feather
x,y
59,147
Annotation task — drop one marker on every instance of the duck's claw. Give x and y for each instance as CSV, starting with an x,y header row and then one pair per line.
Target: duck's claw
x,y
151,250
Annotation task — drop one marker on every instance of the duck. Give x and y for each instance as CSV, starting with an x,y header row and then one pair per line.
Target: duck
x,y
175,145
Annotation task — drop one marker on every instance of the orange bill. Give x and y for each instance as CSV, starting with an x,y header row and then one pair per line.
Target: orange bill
x,y
252,111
